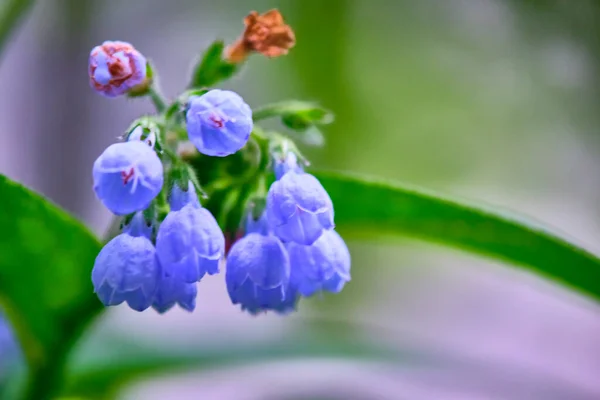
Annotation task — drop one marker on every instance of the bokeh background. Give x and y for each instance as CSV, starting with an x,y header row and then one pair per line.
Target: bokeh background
x,y
492,100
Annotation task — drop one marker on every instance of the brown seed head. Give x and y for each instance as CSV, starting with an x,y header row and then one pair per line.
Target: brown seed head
x,y
266,34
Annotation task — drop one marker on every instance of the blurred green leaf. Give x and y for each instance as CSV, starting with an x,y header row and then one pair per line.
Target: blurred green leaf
x,y
302,117
310,137
123,361
212,68
45,284
295,114
11,14
369,208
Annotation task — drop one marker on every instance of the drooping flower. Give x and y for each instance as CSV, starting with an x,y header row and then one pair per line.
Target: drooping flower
x,y
298,208
189,240
127,177
324,265
257,275
219,122
289,303
126,269
266,34
172,289
256,222
115,68
179,198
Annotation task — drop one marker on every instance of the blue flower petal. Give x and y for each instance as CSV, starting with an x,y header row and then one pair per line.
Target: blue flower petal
x,y
127,177
172,289
257,275
219,122
287,163
179,198
190,241
259,225
126,269
262,258
324,265
299,209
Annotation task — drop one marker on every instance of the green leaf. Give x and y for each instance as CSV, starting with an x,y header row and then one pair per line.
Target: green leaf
x,y
212,68
296,115
310,137
12,13
45,284
303,118
368,208
121,361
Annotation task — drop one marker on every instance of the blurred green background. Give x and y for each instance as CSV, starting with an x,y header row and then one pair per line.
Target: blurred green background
x,y
493,100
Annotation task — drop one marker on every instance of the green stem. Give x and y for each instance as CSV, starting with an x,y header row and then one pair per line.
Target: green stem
x,y
173,157
44,380
10,16
261,186
162,205
158,99
266,112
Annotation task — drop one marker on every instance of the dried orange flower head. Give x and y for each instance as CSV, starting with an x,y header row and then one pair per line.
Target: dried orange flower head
x,y
266,34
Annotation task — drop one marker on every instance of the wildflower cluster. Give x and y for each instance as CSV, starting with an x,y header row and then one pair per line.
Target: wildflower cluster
x,y
277,244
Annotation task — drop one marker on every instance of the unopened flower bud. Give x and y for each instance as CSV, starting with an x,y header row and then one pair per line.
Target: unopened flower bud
x,y
115,68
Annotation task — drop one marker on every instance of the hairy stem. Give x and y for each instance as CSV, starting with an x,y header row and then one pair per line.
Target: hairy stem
x,y
157,99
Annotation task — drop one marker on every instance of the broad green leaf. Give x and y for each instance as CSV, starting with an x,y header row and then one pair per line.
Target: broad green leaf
x,y
121,361
370,208
125,361
212,68
45,287
373,209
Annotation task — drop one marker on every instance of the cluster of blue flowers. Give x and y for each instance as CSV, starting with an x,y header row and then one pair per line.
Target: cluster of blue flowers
x,y
290,250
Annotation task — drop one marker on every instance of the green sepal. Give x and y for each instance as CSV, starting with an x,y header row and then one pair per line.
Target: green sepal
x,y
153,128
149,215
126,220
280,146
301,117
143,89
176,111
212,68
256,206
180,176
295,114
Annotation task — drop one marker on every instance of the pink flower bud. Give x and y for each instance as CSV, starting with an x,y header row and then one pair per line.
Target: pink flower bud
x,y
115,68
